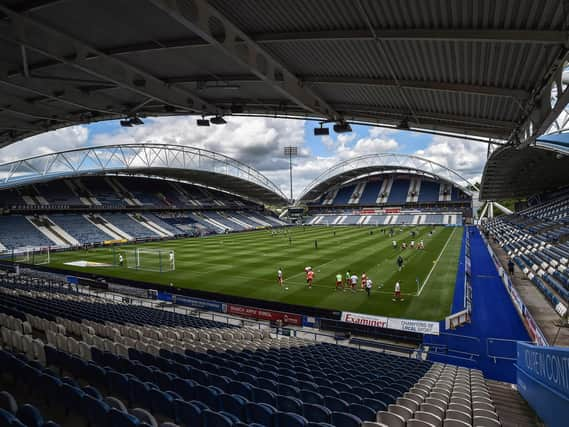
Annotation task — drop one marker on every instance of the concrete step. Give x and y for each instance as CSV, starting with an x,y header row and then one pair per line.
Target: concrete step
x,y
511,407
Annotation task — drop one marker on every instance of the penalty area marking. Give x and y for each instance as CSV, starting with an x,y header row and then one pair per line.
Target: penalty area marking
x,y
436,262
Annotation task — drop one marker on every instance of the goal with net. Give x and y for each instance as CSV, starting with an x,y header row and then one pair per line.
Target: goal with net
x,y
35,256
146,259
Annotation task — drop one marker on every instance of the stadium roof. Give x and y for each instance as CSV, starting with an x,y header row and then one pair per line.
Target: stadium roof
x,y
484,68
189,164
371,164
512,173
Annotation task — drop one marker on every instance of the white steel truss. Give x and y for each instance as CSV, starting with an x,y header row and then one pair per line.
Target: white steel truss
x,y
389,162
129,158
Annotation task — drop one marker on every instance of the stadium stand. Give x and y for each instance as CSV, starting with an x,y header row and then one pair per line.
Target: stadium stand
x,y
535,239
94,209
98,362
387,198
80,228
18,231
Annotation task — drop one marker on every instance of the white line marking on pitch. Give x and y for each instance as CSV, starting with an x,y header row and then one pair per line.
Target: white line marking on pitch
x,y
436,262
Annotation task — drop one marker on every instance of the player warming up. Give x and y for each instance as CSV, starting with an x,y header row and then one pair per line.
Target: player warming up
x,y
400,262
309,277
397,294
364,281
354,282
339,283
369,284
280,277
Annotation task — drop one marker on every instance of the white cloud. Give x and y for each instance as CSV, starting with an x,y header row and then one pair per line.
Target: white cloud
x,y
259,142
45,143
465,157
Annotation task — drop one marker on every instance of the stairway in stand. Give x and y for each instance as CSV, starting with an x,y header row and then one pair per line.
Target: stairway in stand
x,y
511,407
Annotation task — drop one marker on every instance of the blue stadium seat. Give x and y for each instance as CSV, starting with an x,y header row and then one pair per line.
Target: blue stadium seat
x,y
30,416
120,419
316,413
289,404
118,384
342,419
233,404
375,404
243,389
145,417
260,395
335,404
350,397
309,396
288,390
184,388
187,413
215,419
288,419
259,413
218,381
7,419
7,402
161,403
95,410
365,413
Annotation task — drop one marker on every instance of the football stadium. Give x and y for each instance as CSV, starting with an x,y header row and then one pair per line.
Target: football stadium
x,y
349,213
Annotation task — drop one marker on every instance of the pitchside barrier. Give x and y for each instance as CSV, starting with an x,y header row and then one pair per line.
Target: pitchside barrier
x,y
406,325
528,320
463,316
543,380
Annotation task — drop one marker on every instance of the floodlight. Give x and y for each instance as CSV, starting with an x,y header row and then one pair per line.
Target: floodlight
x,y
342,127
202,122
321,131
217,120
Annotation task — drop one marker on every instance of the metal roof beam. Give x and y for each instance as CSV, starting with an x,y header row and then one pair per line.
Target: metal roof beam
x,y
481,35
366,81
202,19
21,108
50,42
444,117
473,35
67,94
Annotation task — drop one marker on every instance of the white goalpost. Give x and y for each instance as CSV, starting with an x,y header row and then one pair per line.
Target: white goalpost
x,y
147,259
35,256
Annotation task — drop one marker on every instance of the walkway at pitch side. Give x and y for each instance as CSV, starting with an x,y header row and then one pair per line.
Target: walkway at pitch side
x,y
494,318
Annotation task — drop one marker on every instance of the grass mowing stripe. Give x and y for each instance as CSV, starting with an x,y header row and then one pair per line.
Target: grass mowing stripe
x,y
245,264
436,262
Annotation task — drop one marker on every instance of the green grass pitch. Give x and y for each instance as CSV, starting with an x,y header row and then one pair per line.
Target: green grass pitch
x,y
246,264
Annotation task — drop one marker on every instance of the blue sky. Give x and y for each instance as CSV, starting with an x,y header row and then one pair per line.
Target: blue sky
x,y
259,141
409,142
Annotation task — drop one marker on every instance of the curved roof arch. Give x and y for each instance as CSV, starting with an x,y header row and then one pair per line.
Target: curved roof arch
x,y
358,167
512,173
485,68
191,164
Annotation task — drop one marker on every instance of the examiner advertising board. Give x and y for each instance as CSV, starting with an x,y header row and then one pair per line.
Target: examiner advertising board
x,y
408,325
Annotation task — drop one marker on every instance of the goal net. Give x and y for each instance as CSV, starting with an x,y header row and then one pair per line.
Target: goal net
x,y
35,256
145,259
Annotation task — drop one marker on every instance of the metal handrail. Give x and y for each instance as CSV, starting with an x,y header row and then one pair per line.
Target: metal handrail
x,y
488,340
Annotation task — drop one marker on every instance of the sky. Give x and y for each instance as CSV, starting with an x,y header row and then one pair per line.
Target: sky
x,y
260,141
